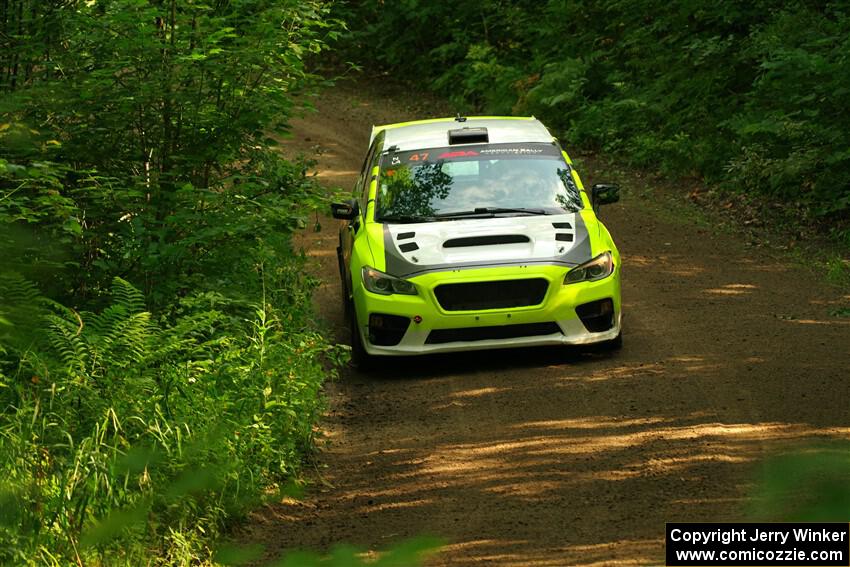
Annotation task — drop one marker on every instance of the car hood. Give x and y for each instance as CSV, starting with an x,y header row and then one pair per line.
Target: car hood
x,y
412,249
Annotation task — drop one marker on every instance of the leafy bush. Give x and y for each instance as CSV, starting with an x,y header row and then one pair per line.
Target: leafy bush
x,y
125,438
159,366
140,122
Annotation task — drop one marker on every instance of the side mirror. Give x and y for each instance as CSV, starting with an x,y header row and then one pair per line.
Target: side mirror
x,y
345,211
604,193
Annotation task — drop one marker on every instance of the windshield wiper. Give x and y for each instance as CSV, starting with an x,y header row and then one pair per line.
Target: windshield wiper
x,y
404,219
491,211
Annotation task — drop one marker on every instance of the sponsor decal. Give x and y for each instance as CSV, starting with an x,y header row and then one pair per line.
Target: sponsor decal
x,y
414,158
458,154
512,151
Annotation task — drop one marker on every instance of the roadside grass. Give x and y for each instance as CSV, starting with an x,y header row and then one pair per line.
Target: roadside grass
x,y
837,269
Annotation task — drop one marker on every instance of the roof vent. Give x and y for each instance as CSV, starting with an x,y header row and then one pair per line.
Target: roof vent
x,y
468,136
460,118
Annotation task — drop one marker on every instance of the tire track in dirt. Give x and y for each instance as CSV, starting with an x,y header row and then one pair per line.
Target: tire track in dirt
x,y
555,457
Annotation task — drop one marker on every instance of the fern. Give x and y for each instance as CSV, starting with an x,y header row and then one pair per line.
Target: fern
x,y
20,300
64,337
14,288
21,309
125,294
90,344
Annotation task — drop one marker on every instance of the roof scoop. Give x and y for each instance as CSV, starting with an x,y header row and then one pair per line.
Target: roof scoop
x,y
468,136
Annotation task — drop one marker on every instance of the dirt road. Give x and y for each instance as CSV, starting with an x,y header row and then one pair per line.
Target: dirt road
x,y
551,457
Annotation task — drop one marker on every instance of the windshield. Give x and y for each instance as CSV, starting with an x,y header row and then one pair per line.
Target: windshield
x,y
476,181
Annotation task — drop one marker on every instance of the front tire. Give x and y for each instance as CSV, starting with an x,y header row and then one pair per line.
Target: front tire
x,y
343,284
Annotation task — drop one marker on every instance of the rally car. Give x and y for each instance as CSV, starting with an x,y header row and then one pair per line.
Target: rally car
x,y
474,233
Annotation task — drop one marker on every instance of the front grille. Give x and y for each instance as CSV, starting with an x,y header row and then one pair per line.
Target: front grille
x,y
440,336
491,295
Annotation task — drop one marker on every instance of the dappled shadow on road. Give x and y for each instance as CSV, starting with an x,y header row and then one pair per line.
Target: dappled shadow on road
x,y
529,458
434,366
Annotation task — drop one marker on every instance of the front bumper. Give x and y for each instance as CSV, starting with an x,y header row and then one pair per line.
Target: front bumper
x,y
553,322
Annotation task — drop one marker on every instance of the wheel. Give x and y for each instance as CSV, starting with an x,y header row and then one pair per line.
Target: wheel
x,y
360,359
343,285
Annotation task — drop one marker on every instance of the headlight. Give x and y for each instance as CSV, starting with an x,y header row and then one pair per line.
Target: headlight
x,y
597,269
385,284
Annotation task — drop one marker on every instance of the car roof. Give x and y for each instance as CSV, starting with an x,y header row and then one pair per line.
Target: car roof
x,y
434,133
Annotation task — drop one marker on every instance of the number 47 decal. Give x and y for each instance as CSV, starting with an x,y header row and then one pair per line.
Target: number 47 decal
x,y
418,157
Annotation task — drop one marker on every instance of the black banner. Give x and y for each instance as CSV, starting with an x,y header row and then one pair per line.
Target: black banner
x,y
480,152
760,544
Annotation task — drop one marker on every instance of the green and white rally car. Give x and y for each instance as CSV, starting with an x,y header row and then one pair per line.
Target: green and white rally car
x,y
475,233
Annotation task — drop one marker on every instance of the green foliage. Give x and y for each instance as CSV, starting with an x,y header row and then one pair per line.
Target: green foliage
x,y
824,471
159,367
124,438
144,128
750,94
407,553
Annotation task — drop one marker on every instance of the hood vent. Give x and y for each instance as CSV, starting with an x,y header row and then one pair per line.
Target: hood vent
x,y
486,240
563,236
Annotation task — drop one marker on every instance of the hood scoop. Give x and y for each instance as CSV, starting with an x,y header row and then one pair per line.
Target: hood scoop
x,y
488,240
